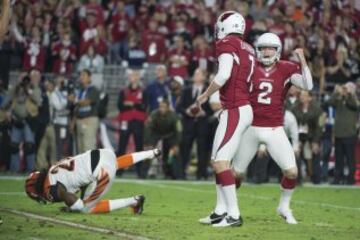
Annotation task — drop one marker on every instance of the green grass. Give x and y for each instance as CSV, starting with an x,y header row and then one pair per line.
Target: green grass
x,y
172,210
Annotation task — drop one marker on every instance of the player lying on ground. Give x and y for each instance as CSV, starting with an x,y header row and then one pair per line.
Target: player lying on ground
x,y
92,173
272,79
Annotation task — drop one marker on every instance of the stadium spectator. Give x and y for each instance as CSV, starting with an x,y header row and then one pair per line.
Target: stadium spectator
x,y
164,129
195,124
132,107
202,56
117,32
22,103
135,57
158,89
46,153
61,116
327,123
88,30
5,128
34,54
87,121
346,105
92,61
307,113
64,54
38,122
179,58
176,87
153,43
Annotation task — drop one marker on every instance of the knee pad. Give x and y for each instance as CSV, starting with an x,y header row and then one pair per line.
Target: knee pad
x,y
14,148
29,148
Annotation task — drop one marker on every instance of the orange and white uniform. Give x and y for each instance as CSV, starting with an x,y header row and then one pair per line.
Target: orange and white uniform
x,y
94,169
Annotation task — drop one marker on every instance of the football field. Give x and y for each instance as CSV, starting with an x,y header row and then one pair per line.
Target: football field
x,y
173,208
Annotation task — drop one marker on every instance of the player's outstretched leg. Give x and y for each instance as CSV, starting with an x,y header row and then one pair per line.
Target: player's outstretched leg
x,y
128,160
136,203
288,184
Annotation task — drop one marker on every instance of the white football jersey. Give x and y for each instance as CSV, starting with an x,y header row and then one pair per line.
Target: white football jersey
x,y
72,172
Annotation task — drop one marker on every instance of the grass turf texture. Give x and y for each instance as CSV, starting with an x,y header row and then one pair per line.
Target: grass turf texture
x,y
173,208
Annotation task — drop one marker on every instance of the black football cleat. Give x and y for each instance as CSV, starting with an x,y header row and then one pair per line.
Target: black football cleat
x,y
138,208
213,218
230,222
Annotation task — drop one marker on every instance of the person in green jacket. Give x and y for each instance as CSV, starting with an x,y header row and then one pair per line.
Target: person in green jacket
x,y
346,105
307,113
163,127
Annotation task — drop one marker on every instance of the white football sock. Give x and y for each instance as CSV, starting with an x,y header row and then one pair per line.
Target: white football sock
x,y
140,156
231,201
220,207
285,198
121,203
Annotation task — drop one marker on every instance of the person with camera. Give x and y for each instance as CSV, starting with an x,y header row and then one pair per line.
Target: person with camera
x,y
346,105
22,106
61,115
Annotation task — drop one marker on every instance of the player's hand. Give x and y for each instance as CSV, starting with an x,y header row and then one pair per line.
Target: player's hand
x,y
315,147
201,99
71,98
299,52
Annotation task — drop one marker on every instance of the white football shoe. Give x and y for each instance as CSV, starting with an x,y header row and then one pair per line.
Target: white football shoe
x,y
287,215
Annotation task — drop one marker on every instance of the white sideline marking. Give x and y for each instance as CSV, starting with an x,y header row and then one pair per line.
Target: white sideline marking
x,y
150,183
176,182
12,193
74,225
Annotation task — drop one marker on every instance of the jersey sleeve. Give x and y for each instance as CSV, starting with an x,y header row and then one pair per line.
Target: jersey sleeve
x,y
293,68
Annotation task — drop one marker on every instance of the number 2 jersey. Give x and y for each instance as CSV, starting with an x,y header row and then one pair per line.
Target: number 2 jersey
x,y
269,89
72,172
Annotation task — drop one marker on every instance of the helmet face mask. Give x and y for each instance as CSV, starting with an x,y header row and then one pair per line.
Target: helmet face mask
x,y
267,41
229,22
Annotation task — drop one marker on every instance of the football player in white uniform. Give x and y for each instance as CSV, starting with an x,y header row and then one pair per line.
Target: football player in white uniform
x,y
92,173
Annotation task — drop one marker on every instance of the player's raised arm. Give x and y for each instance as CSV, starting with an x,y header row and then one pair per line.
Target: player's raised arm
x,y
4,19
304,80
225,66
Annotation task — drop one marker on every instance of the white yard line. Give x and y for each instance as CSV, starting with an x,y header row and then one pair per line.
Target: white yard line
x,y
74,225
176,182
13,193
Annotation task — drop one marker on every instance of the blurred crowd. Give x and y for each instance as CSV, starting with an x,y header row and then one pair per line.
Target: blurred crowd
x,y
72,36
